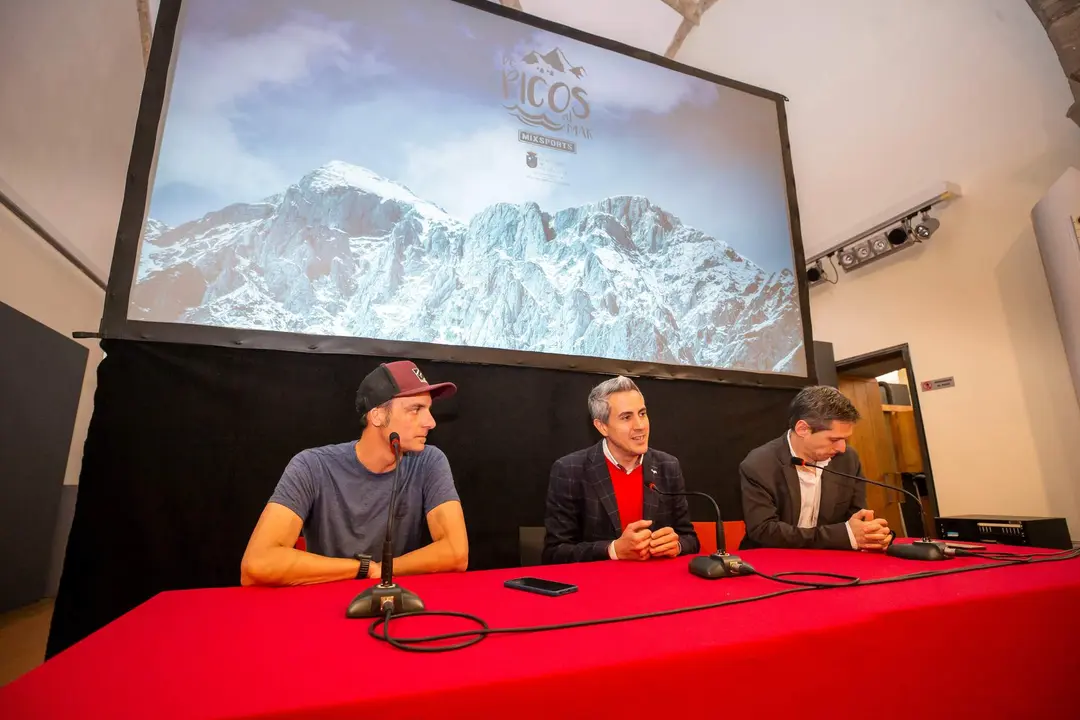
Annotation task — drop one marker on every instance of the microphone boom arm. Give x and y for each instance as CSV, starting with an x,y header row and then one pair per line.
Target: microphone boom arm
x,y
387,598
721,545
799,462
924,549
719,564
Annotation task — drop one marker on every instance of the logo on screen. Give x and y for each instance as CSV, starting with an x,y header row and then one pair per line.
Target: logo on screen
x,y
530,159
544,90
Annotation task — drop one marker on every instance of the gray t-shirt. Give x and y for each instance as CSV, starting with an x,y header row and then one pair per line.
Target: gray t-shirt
x,y
344,505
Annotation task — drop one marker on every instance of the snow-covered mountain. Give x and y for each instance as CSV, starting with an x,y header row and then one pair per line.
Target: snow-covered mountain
x,y
346,252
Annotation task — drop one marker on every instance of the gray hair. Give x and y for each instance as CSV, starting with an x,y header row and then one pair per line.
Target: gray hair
x,y
599,407
819,406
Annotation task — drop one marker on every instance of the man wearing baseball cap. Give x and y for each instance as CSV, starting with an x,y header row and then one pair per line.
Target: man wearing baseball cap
x,y
339,495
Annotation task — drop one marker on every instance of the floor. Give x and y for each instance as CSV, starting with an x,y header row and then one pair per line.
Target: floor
x,y
23,634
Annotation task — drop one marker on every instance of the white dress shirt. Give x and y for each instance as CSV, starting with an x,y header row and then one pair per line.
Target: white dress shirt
x,y
810,491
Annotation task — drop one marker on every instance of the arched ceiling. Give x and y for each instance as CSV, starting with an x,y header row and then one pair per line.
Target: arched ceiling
x,y
1061,18
642,23
657,30
661,26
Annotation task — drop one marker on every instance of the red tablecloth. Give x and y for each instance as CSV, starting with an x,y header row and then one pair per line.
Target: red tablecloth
x,y
997,643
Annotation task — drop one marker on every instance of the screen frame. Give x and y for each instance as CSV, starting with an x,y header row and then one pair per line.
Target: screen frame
x,y
139,181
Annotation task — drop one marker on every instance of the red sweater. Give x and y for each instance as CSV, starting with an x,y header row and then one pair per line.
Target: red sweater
x,y
628,493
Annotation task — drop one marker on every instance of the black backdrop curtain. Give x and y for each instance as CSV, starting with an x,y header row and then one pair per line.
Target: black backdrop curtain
x,y
187,442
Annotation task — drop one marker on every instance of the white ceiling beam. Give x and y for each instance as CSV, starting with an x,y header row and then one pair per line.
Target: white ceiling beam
x,y
687,8
146,28
691,10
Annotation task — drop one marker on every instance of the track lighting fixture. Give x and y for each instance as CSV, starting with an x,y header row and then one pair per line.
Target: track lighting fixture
x,y
900,230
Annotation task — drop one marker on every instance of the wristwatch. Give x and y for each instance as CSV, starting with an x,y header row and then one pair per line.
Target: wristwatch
x,y
365,565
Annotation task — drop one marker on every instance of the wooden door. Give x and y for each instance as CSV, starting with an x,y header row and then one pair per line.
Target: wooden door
x,y
873,443
905,439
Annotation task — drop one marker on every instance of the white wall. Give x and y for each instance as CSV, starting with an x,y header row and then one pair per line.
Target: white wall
x,y
39,282
70,83
891,96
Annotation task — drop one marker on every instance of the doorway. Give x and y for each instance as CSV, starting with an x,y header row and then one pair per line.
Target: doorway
x,y
890,438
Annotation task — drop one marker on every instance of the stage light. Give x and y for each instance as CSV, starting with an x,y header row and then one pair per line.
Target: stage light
x,y
927,227
879,245
863,252
897,236
847,258
816,274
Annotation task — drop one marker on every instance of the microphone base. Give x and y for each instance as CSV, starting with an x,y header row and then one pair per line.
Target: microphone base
x,y
375,601
716,566
918,550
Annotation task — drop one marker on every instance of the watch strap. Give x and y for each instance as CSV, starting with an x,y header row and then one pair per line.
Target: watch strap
x,y
365,566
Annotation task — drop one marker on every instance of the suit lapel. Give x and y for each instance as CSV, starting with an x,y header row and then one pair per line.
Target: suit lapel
x,y
598,475
650,501
791,478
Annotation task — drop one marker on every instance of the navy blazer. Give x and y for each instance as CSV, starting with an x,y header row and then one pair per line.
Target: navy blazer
x,y
582,515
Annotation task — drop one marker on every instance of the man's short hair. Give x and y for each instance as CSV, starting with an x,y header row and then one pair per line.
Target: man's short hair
x,y
599,407
820,406
364,415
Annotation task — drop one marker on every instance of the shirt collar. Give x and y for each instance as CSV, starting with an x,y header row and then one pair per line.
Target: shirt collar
x,y
611,458
820,463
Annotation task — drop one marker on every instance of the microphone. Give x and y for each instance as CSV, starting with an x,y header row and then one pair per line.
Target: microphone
x,y
387,577
719,564
386,597
924,549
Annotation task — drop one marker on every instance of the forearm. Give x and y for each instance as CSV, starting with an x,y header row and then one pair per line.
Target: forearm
x,y
440,556
571,552
774,533
289,566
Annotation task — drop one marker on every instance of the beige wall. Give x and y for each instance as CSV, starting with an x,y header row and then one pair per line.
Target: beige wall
x,y
39,282
70,84
888,98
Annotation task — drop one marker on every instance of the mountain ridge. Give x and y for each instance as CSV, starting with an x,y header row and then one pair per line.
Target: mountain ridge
x,y
347,252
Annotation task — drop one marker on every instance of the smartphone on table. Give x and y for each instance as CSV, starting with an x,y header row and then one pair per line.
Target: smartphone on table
x,y
541,587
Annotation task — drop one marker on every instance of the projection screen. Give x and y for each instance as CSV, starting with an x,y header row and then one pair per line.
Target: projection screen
x,y
456,180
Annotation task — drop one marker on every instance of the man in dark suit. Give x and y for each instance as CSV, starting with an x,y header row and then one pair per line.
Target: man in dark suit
x,y
598,507
787,507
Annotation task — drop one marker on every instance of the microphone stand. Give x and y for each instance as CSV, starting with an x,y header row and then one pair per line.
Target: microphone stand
x,y
387,597
924,549
719,564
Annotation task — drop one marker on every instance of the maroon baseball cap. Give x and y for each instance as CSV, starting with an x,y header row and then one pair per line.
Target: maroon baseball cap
x,y
397,379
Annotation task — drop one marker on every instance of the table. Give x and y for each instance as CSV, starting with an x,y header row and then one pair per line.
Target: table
x,y
993,643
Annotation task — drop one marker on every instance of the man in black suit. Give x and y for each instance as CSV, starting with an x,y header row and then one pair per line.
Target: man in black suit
x,y
787,507
598,507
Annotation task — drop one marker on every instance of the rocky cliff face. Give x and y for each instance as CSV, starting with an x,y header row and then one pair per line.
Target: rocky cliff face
x,y
346,252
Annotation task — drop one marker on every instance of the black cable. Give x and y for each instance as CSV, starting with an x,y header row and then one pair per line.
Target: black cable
x,y
1056,557
848,580
408,643
1013,557
836,273
413,644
